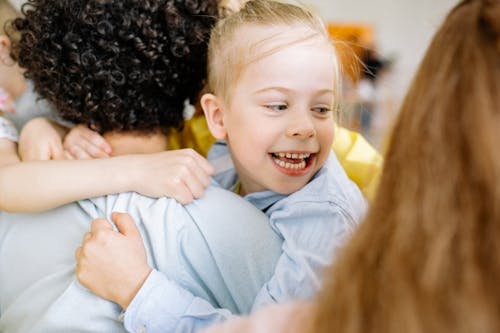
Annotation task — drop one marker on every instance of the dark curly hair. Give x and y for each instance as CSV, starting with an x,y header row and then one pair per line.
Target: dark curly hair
x,y
116,65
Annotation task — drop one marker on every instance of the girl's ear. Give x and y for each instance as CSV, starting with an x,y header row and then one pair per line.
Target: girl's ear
x,y
4,45
214,113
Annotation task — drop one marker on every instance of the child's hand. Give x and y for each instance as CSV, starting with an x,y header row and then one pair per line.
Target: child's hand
x,y
83,143
113,264
41,140
181,174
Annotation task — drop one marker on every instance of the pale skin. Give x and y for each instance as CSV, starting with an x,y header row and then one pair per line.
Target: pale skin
x,y
103,237
40,140
83,143
144,166
286,111
275,113
43,140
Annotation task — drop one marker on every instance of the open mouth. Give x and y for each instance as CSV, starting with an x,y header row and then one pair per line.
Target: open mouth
x,y
292,161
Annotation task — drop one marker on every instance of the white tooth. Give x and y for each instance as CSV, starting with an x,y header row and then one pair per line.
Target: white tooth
x,y
294,166
288,155
281,154
295,155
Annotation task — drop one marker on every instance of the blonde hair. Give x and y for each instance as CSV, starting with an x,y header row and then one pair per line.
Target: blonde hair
x,y
228,53
427,258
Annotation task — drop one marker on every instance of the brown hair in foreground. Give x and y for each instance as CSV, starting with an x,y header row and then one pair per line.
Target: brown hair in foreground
x,y
427,258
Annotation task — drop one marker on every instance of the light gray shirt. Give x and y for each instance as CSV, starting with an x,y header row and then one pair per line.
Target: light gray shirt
x,y
219,248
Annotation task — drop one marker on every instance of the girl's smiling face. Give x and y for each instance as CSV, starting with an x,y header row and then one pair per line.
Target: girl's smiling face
x,y
279,121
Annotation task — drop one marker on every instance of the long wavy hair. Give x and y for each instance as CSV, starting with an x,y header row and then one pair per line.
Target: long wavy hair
x,y
427,257
116,65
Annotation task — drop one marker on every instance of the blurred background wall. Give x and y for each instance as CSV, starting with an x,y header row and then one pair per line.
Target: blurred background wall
x,y
399,32
402,28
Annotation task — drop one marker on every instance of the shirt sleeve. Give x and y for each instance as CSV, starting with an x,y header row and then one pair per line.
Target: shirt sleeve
x,y
313,232
161,305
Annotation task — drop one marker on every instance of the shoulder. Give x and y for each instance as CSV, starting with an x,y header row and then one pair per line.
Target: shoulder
x,y
221,214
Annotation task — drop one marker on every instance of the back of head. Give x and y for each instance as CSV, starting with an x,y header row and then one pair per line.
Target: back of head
x,y
116,65
229,51
427,258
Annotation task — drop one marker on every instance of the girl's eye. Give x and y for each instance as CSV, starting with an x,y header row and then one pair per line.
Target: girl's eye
x,y
277,107
322,109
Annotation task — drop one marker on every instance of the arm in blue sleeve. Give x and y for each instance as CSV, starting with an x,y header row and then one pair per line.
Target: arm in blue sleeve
x,y
161,305
313,232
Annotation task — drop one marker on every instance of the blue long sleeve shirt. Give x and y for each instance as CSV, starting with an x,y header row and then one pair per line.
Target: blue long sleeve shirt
x,y
313,223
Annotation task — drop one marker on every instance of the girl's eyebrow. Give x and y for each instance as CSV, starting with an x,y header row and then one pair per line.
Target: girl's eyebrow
x,y
277,88
288,90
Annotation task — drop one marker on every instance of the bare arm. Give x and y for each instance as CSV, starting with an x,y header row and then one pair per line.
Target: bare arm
x,y
41,185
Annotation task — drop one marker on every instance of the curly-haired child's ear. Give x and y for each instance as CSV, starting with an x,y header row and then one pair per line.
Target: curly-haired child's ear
x,y
5,51
214,114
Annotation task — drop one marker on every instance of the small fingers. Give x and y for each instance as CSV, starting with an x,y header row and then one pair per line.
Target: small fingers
x,y
97,141
196,185
68,155
78,153
100,224
201,161
182,193
93,150
81,138
189,183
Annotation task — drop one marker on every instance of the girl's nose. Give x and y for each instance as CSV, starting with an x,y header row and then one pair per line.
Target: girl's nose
x,y
302,127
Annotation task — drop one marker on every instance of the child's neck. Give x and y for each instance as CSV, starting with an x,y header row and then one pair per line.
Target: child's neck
x,y
133,143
